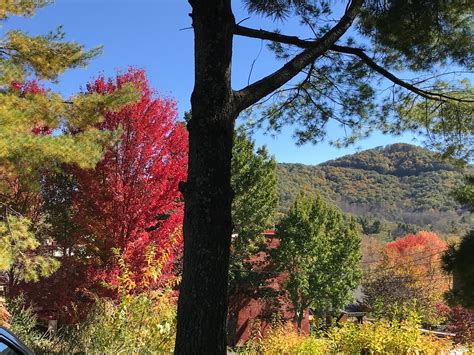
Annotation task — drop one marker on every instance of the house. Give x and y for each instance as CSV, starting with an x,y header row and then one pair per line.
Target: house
x,y
255,305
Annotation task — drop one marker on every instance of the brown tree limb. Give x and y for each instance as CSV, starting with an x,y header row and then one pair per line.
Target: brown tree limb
x,y
258,90
358,52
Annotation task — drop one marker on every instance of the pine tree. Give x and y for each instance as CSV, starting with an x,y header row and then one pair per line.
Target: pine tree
x,y
39,129
255,195
254,206
332,76
458,259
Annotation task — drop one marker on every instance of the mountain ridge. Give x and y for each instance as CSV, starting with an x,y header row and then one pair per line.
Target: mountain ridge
x,y
398,183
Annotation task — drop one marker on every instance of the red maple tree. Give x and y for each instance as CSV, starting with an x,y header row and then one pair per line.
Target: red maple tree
x,y
130,201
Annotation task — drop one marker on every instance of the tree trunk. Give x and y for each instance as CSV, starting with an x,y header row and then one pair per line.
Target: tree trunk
x,y
202,306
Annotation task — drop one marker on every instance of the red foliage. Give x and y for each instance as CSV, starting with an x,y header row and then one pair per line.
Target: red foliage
x,y
31,87
422,241
131,199
128,202
28,87
462,324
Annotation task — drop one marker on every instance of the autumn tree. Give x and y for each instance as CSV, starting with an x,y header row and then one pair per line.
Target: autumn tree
x,y
334,75
131,201
113,216
29,115
408,269
319,252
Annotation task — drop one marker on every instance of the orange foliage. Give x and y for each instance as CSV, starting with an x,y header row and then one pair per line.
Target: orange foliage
x,y
410,267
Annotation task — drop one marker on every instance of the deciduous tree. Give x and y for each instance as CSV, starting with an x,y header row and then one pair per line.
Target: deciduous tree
x,y
29,114
408,269
319,252
131,201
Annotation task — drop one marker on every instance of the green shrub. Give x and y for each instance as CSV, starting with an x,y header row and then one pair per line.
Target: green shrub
x,y
23,323
137,324
283,339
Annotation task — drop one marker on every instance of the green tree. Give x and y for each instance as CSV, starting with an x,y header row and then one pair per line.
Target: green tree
x,y
19,251
39,129
320,253
255,196
356,48
464,194
253,210
458,259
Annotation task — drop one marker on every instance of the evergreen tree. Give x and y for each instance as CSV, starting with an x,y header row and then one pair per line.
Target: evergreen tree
x,y
39,129
253,211
331,76
320,253
458,259
255,195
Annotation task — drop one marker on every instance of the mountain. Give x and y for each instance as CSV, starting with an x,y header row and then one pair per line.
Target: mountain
x,y
400,186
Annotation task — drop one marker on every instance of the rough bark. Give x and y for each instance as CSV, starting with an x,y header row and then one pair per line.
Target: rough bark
x,y
207,228
202,306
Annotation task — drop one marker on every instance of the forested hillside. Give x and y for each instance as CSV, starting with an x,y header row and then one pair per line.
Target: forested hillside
x,y
400,187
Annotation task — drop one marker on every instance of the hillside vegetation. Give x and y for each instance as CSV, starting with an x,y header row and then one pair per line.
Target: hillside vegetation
x,y
401,188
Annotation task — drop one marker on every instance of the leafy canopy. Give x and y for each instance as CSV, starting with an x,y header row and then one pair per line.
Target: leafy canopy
x,y
320,253
408,269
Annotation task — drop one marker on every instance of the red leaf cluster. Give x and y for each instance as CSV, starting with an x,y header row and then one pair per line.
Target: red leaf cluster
x,y
422,241
131,199
31,87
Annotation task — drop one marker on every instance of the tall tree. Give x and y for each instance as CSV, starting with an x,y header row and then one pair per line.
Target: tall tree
x,y
319,252
131,199
124,211
335,83
29,115
255,201
458,259
254,206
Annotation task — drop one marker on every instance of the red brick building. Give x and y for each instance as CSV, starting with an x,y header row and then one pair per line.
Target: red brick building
x,y
252,309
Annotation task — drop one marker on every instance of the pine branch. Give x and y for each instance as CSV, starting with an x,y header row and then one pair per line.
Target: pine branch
x,y
360,53
430,95
258,90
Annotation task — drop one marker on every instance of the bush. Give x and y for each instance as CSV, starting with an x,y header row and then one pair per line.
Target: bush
x,y
282,338
462,323
381,337
136,324
23,323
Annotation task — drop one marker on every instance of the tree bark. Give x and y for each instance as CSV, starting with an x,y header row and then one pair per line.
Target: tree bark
x,y
207,228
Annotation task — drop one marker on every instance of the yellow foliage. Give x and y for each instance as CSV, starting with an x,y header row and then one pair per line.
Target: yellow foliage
x,y
381,337
18,247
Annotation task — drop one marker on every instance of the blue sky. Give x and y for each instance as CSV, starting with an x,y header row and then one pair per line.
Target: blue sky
x,y
151,34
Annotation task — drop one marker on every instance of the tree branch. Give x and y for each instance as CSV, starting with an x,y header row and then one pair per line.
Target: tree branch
x,y
256,91
430,95
358,52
